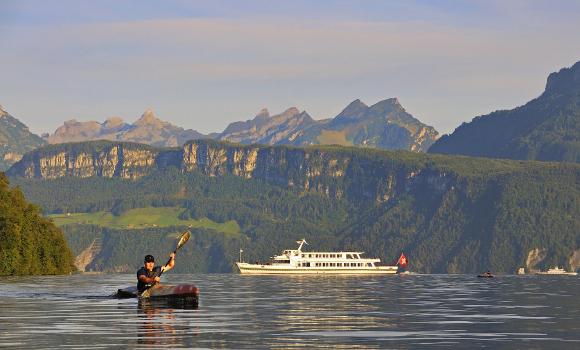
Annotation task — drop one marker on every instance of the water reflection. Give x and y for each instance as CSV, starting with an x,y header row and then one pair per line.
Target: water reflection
x,y
295,312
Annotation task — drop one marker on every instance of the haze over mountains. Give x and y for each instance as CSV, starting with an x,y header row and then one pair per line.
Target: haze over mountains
x,y
546,128
383,125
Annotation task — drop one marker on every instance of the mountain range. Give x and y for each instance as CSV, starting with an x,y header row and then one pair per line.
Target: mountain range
x,y
385,124
547,128
147,129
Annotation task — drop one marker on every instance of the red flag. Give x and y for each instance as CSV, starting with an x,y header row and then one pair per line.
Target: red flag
x,y
403,261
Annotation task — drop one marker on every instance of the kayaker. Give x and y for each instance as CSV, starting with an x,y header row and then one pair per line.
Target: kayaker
x,y
148,275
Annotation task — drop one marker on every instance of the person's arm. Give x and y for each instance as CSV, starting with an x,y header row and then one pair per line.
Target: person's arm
x,y
171,263
149,280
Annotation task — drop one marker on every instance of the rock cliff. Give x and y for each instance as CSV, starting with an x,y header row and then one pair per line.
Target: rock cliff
x,y
330,170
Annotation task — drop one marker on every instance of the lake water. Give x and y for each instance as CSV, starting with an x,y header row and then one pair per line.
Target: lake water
x,y
403,312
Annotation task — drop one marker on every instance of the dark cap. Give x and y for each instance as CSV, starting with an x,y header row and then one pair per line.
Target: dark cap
x,y
149,258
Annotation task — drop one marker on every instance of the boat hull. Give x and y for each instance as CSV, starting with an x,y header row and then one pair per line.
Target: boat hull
x,y
257,269
183,292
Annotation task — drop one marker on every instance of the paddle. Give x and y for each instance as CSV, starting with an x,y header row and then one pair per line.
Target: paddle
x,y
182,240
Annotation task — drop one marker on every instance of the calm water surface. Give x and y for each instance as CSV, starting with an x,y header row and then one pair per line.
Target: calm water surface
x,y
403,312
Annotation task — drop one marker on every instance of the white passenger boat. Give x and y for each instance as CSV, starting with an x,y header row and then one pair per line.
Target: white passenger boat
x,y
299,262
556,271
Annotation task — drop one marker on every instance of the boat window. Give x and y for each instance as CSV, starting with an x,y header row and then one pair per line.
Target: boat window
x,y
339,264
369,265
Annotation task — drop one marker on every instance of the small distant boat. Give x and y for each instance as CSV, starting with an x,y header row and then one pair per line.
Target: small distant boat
x,y
557,271
486,275
295,261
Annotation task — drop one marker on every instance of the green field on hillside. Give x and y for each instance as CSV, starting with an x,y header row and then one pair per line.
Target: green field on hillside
x,y
143,218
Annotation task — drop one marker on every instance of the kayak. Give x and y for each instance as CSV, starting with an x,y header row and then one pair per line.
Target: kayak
x,y
485,276
182,292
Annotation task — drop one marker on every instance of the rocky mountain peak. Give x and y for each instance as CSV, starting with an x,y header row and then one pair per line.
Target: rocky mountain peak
x,y
390,104
262,116
148,118
292,111
113,121
2,111
113,124
564,81
70,122
263,113
354,110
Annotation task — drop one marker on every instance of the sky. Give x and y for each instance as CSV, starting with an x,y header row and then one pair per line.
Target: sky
x,y
205,64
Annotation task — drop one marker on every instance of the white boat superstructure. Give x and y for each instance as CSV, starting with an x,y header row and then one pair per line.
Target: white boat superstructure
x,y
556,271
295,261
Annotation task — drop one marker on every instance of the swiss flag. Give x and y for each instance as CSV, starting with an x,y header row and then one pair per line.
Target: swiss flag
x,y
403,261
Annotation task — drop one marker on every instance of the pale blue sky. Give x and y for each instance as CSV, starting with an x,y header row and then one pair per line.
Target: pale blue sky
x,y
204,64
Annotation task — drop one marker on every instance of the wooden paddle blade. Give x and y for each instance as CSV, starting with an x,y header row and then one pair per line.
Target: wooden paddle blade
x,y
184,238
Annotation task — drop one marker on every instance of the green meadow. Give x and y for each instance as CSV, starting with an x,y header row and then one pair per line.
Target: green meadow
x,y
143,218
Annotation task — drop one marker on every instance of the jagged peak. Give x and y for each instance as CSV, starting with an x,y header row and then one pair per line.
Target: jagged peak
x,y
387,104
263,114
291,111
113,121
148,115
2,110
354,109
565,80
356,104
148,118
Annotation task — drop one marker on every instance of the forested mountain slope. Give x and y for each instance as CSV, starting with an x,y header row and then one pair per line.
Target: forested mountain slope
x,y
447,213
546,128
29,243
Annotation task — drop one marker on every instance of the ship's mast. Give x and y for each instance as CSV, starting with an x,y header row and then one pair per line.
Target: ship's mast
x,y
301,242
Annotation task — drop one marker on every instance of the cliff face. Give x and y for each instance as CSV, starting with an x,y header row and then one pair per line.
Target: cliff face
x,y
128,161
332,171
